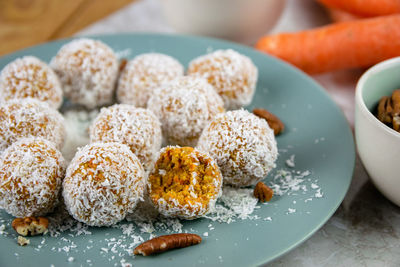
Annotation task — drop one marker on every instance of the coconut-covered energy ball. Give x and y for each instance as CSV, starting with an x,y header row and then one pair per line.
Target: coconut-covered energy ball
x,y
30,77
31,173
143,74
233,75
184,107
137,128
104,182
88,70
184,183
29,117
243,146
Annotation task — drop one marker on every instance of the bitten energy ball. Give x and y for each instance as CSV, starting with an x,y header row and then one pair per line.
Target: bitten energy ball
x,y
30,77
29,117
234,76
184,107
104,182
184,183
136,127
143,74
31,173
243,145
88,70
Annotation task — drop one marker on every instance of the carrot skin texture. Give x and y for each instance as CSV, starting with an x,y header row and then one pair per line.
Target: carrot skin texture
x,y
367,8
337,46
338,15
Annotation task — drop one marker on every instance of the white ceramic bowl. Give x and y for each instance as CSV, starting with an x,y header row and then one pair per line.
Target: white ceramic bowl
x,y
378,145
238,20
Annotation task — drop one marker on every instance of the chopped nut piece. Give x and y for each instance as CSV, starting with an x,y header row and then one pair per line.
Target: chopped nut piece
x,y
385,110
263,192
388,110
396,123
396,102
166,242
22,241
122,64
396,110
273,121
30,225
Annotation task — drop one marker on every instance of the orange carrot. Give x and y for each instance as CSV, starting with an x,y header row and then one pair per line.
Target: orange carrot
x,y
338,15
367,8
360,43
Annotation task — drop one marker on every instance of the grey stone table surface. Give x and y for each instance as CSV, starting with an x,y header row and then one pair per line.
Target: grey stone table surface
x,y
365,230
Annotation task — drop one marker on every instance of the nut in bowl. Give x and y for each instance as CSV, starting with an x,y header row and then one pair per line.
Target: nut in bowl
x,y
377,143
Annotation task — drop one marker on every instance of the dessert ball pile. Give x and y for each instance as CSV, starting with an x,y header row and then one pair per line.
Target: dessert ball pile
x,y
167,138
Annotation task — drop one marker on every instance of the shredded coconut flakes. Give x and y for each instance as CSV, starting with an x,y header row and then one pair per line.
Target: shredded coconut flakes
x,y
137,128
185,106
88,70
30,117
233,75
243,145
30,77
145,73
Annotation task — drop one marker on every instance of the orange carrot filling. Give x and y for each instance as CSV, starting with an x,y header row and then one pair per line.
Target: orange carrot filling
x,y
184,176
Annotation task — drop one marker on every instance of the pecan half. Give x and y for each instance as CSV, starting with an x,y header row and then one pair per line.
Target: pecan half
x,y
396,110
388,110
30,225
263,192
273,121
396,101
167,242
385,110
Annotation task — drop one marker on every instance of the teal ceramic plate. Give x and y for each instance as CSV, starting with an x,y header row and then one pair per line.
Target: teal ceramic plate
x,y
317,134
